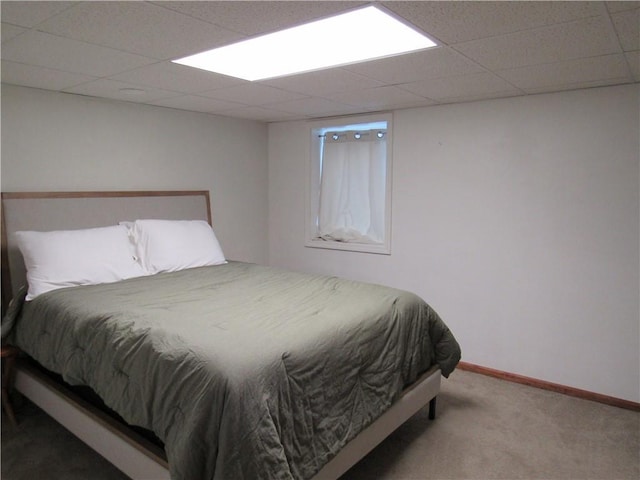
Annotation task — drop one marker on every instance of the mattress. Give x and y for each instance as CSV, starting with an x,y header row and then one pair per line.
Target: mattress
x,y
243,371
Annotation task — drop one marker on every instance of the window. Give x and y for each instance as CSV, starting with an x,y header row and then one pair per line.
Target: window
x,y
350,185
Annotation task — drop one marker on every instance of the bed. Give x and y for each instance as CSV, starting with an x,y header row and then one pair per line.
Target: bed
x,y
240,370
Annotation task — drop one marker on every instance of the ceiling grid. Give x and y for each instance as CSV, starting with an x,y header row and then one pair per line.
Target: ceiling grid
x,y
123,51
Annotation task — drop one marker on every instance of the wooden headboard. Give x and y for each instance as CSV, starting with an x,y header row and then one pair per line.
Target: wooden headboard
x,y
46,211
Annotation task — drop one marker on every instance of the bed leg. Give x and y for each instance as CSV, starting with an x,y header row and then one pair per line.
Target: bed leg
x,y
432,408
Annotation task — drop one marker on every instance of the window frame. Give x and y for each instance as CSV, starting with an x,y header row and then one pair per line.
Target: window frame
x,y
313,185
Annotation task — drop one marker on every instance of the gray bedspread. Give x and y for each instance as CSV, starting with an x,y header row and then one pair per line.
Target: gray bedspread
x,y
244,371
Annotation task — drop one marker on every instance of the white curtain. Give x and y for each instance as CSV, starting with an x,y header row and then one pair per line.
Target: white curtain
x,y
352,189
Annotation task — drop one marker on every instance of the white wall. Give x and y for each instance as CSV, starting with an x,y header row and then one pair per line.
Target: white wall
x,y
516,219
53,141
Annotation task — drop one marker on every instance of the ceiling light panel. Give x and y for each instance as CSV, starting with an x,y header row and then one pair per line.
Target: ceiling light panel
x,y
353,37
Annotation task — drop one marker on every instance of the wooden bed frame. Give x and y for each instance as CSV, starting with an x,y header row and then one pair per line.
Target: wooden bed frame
x,y
128,451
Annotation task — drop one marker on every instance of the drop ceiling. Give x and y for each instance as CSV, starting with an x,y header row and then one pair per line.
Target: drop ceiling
x,y
123,51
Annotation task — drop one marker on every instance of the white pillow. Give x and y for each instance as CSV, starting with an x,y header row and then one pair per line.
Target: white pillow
x,y
172,245
67,258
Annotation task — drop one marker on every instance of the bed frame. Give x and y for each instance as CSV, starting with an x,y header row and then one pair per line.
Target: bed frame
x,y
133,454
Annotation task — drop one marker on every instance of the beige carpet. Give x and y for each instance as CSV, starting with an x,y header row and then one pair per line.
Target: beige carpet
x,y
492,429
485,429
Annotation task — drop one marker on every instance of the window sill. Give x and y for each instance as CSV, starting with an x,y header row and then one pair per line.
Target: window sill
x,y
381,249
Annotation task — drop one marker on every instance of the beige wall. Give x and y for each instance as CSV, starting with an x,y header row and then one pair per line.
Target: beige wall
x,y
53,141
516,219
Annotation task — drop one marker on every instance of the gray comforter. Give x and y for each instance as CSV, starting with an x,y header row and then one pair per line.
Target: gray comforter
x,y
244,371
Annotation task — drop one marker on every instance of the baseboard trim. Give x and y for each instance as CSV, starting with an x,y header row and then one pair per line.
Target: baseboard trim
x,y
554,387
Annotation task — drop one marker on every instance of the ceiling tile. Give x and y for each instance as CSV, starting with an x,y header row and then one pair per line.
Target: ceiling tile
x,y
30,14
138,27
44,50
384,98
560,88
575,73
106,88
323,82
314,107
252,94
633,59
9,31
256,17
259,113
583,38
431,63
40,77
464,86
455,22
627,25
172,76
195,103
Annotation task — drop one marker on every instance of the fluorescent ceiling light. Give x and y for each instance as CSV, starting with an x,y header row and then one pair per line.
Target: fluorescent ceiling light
x,y
356,36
